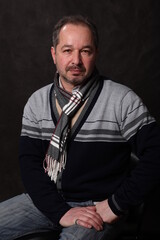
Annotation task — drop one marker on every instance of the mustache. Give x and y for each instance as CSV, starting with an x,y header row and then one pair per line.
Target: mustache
x,y
75,67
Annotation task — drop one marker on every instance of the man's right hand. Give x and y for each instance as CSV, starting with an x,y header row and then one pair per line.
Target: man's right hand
x,y
84,216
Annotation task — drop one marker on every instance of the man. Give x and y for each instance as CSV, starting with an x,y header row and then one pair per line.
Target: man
x,y
77,137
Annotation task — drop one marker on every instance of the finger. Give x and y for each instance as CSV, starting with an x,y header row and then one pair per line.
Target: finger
x,y
92,214
83,223
90,221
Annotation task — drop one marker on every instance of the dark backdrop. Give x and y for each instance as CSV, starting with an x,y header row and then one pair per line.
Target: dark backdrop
x,y
129,54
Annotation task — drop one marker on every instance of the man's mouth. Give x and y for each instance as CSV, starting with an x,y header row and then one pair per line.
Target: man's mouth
x,y
76,70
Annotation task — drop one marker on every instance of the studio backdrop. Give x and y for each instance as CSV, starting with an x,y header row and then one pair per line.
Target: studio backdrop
x,y
128,53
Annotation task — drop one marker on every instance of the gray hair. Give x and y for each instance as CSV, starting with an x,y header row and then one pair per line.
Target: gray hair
x,y
77,20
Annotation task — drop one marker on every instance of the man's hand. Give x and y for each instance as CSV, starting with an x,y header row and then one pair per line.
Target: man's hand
x,y
105,212
84,216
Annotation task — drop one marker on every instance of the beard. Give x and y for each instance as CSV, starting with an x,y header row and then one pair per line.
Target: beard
x,y
76,78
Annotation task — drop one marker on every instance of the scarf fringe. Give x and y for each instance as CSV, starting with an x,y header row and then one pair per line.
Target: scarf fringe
x,y
53,167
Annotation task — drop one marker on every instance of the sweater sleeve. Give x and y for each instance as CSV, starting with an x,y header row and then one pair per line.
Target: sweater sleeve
x,y
32,151
142,132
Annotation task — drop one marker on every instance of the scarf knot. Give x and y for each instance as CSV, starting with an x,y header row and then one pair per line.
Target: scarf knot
x,y
73,103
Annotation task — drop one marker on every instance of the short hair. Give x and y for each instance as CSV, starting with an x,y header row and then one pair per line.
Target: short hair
x,y
76,20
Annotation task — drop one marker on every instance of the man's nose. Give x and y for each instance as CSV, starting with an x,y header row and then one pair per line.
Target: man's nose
x,y
76,58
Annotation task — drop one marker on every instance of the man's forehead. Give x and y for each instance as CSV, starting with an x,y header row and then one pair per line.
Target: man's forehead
x,y
79,35
70,26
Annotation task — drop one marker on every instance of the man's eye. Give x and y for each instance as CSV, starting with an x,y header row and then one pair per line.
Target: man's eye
x,y
86,51
67,50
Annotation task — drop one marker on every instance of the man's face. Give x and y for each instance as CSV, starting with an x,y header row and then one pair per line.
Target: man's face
x,y
74,55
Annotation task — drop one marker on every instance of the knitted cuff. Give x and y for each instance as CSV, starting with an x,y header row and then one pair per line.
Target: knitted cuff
x,y
116,209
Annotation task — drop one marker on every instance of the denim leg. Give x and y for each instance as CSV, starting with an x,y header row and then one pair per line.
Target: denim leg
x,y
19,216
76,232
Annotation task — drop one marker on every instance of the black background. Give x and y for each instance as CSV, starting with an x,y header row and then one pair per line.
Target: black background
x,y
128,53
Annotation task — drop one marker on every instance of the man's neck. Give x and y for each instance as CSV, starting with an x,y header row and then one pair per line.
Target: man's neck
x,y
69,87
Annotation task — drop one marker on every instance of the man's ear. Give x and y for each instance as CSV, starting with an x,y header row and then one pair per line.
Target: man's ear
x,y
53,53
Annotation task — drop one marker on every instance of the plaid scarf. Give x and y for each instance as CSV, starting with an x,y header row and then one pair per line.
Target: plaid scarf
x,y
55,159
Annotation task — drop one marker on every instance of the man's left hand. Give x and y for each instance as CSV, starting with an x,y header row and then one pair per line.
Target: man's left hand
x,y
105,212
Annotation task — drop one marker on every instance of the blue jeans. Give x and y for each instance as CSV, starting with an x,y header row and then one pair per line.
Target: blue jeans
x,y
19,217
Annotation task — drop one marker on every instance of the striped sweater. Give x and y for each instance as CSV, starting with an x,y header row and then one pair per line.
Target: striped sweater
x,y
115,124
